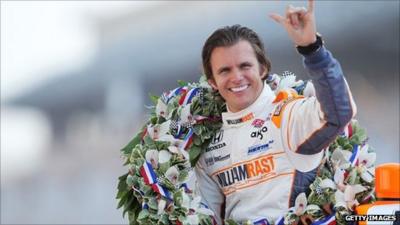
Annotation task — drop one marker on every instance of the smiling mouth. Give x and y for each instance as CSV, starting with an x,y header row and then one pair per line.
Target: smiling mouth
x,y
240,88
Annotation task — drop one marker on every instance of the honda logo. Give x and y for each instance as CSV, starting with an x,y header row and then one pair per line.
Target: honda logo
x,y
218,137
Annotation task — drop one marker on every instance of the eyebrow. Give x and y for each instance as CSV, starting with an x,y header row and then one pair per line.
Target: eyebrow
x,y
223,68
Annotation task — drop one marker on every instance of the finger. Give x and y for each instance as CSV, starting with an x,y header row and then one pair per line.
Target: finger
x,y
299,10
302,12
289,10
294,20
311,6
278,18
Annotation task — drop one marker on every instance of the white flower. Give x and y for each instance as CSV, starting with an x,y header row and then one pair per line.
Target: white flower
x,y
366,158
339,199
309,90
157,131
338,177
300,204
177,148
327,183
172,174
161,108
289,81
161,206
366,175
152,157
167,137
366,161
186,116
350,194
164,156
347,198
341,158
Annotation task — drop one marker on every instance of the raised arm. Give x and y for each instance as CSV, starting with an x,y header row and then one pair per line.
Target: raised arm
x,y
314,122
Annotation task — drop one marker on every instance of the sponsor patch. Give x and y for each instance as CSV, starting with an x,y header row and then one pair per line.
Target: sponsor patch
x,y
215,147
258,123
260,148
244,173
211,160
241,120
259,133
218,137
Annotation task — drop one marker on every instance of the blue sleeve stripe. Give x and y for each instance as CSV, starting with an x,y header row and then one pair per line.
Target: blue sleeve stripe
x,y
334,98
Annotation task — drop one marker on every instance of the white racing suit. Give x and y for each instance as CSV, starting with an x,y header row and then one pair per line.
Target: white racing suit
x,y
266,154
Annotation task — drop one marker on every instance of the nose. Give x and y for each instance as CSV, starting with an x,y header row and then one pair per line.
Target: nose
x,y
237,76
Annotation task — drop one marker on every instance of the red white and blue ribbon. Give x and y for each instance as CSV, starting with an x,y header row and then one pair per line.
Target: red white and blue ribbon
x,y
148,173
166,97
280,221
188,139
347,131
162,190
150,178
328,220
261,222
187,98
354,156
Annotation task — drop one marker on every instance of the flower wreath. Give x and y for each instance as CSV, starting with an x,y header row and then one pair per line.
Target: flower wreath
x,y
161,157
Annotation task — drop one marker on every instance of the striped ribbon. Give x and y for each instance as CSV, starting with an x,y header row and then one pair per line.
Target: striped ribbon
x,y
188,96
354,156
328,220
150,178
348,131
188,139
166,97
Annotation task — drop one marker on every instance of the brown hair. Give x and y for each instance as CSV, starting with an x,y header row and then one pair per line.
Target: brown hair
x,y
228,36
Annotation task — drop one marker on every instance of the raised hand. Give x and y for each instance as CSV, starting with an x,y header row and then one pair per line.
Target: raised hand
x,y
299,22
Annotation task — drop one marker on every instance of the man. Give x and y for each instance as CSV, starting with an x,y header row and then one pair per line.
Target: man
x,y
269,147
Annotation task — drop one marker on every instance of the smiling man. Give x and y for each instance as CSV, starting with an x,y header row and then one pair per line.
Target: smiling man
x,y
269,147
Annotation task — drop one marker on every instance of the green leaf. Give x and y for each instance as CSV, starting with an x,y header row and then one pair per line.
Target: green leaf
x,y
182,83
152,203
143,214
154,98
194,154
136,140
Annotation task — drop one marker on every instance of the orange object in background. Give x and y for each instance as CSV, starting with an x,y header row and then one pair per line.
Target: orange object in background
x,y
387,188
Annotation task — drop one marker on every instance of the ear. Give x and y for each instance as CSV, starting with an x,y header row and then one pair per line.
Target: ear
x,y
263,72
212,83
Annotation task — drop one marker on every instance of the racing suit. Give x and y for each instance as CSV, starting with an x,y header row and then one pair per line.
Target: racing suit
x,y
266,154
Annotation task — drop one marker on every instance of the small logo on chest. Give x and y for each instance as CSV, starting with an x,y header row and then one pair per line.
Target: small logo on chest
x,y
259,133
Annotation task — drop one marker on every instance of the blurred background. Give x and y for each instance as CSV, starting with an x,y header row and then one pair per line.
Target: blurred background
x,y
75,78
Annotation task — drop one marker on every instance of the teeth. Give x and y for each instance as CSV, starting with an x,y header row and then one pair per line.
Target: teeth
x,y
241,88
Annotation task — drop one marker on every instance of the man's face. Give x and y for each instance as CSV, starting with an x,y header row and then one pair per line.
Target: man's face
x,y
236,75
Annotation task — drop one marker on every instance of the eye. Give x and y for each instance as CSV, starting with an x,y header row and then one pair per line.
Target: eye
x,y
223,71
